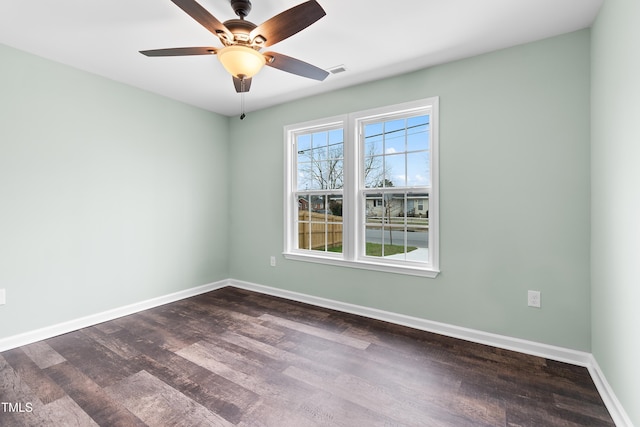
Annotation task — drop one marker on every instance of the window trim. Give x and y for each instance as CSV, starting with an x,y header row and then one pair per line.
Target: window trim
x,y
353,208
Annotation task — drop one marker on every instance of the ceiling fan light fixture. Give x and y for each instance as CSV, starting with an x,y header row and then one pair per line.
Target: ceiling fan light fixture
x,y
241,61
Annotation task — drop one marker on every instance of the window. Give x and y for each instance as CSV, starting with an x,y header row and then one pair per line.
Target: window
x,y
361,189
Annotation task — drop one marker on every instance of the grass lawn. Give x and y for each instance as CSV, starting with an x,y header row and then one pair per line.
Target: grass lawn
x,y
375,249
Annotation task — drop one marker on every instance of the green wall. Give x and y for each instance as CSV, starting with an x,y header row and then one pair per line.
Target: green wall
x,y
615,183
109,195
514,162
115,195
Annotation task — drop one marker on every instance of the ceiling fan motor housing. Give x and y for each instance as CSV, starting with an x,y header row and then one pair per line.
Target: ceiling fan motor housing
x,y
240,29
241,7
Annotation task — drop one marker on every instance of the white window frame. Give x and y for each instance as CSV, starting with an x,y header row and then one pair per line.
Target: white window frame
x,y
353,206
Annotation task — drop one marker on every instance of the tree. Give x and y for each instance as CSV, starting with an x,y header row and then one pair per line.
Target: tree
x,y
387,201
384,183
373,170
336,207
325,170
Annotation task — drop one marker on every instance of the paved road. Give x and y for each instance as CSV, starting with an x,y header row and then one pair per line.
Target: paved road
x,y
418,239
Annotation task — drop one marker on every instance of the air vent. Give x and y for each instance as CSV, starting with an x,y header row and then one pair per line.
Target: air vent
x,y
337,69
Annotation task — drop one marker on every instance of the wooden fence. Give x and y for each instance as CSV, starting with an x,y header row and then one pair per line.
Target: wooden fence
x,y
313,230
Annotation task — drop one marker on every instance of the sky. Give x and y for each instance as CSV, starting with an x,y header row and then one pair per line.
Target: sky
x,y
396,153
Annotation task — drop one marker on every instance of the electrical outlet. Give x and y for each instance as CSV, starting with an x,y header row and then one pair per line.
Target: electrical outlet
x,y
273,261
3,297
533,299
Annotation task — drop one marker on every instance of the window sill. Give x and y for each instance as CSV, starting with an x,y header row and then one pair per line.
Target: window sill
x,y
365,265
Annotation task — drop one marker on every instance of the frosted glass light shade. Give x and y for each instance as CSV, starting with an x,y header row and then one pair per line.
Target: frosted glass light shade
x,y
241,60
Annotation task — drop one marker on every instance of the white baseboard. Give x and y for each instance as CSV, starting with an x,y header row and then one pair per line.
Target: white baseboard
x,y
616,410
560,354
91,320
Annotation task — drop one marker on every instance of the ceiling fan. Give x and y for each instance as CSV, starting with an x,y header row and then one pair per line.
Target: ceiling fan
x,y
243,40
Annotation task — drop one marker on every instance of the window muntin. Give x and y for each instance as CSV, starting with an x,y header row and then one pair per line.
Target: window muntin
x,y
320,179
320,222
320,159
362,190
394,228
397,150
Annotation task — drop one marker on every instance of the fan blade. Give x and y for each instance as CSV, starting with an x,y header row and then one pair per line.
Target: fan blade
x,y
202,15
295,66
180,51
288,22
242,85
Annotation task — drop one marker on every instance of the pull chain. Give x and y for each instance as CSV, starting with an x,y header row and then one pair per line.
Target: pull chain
x,y
243,115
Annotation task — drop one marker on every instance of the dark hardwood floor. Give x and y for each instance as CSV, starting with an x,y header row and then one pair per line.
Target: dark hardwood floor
x,y
237,358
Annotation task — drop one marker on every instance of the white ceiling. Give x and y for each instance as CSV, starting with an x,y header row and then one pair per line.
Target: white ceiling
x,y
371,38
